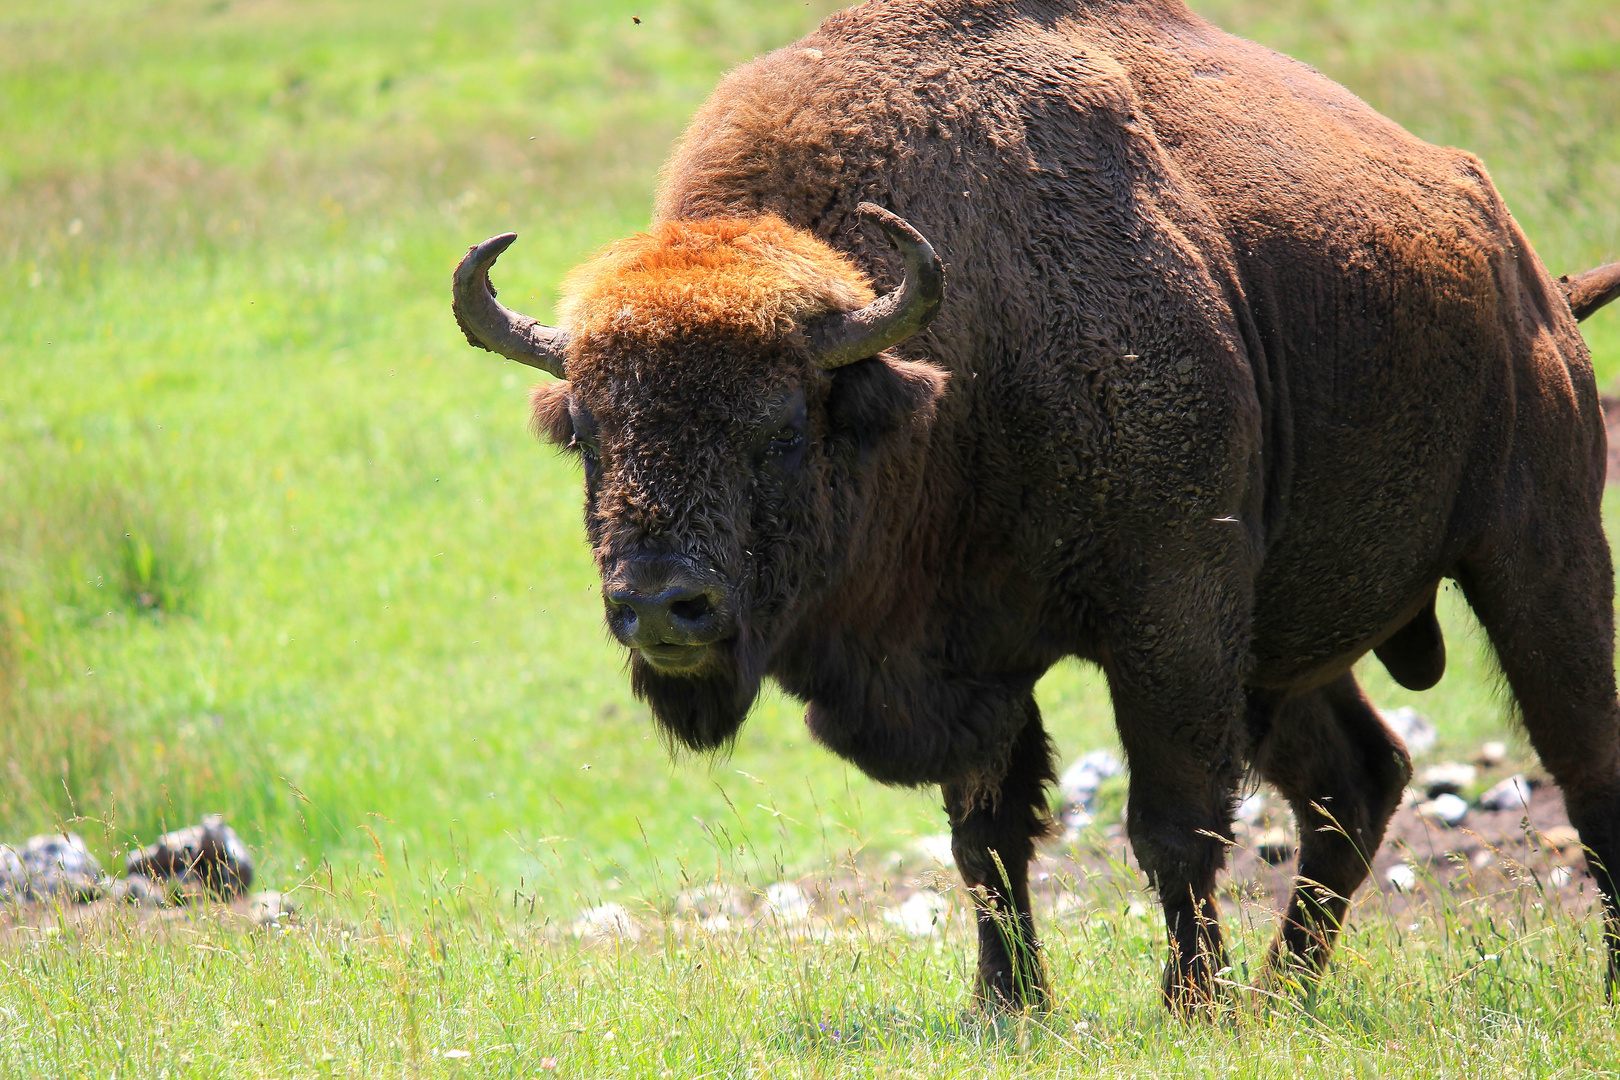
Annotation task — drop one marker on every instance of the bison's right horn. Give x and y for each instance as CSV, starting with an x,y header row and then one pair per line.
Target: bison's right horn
x,y
855,335
489,325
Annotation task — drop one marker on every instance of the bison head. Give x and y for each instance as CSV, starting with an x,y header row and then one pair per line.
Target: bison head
x,y
725,385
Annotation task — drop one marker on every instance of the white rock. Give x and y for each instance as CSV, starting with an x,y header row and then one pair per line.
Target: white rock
x,y
1252,808
1448,777
1492,754
715,924
713,899
1446,808
1064,903
1558,877
1413,727
923,914
1561,837
607,921
1510,794
935,849
788,902
1080,781
1401,877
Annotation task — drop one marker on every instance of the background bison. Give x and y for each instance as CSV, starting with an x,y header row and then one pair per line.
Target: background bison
x,y
1230,372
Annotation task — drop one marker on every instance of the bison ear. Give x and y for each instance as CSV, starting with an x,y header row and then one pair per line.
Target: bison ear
x,y
548,413
882,395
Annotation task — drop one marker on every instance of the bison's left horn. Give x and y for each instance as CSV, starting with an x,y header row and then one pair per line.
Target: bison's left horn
x,y
489,325
854,335
1589,291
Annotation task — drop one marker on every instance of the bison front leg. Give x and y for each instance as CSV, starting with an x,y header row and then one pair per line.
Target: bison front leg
x,y
994,825
1179,705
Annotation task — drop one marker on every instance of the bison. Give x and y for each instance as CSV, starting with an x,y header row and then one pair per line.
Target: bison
x,y
1183,362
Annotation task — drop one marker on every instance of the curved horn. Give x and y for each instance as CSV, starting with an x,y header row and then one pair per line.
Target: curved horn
x,y
1589,291
854,335
488,325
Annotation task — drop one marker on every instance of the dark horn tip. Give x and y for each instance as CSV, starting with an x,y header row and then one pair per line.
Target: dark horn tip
x,y
492,248
480,257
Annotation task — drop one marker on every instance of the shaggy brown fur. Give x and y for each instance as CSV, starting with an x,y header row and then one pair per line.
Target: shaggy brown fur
x,y
753,277
1238,372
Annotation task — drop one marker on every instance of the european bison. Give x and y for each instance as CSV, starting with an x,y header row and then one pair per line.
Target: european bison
x,y
1215,375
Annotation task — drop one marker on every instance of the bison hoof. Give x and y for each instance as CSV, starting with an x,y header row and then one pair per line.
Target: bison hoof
x,y
1005,993
1196,990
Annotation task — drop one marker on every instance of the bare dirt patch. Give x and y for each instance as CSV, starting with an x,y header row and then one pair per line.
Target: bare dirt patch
x,y
1495,857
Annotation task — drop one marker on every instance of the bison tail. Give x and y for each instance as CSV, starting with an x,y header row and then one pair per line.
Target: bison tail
x,y
1589,291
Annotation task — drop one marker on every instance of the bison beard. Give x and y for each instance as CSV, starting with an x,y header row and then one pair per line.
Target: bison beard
x,y
1239,372
704,712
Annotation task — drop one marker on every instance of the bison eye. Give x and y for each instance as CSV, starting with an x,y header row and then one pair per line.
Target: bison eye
x,y
785,442
586,447
781,439
590,456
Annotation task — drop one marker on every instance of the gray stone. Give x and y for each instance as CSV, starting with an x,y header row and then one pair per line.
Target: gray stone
x,y
54,866
1491,754
13,876
1510,794
209,855
142,890
1447,778
269,908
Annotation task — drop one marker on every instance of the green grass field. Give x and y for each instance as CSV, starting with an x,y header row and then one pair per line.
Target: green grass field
x,y
275,543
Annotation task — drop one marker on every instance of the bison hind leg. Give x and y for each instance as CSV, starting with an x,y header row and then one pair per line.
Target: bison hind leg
x,y
1343,772
1544,591
1415,655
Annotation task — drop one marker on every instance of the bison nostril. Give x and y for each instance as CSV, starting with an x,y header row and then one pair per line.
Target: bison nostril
x,y
692,609
658,611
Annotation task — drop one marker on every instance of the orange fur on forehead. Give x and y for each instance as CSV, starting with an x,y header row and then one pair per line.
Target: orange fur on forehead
x,y
758,275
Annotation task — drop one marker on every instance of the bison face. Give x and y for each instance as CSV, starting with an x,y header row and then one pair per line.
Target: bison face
x,y
728,397
719,488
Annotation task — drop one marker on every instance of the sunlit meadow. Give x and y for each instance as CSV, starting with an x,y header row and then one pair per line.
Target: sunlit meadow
x,y
275,543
